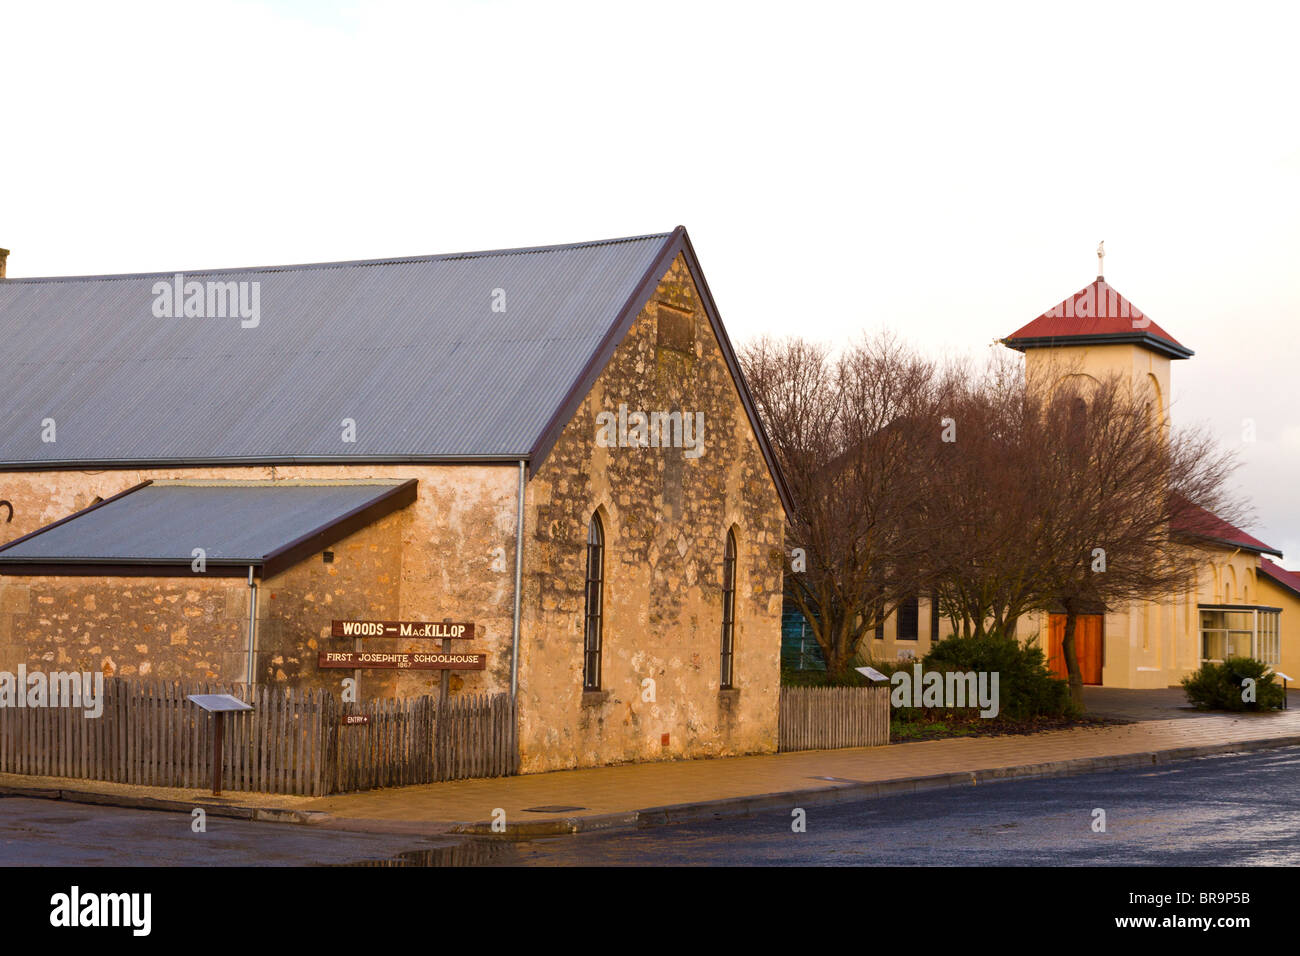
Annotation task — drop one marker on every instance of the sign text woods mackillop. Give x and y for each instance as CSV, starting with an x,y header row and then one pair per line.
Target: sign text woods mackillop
x,y
442,631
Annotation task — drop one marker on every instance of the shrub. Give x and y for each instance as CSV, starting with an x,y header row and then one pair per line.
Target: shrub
x,y
1026,688
1221,686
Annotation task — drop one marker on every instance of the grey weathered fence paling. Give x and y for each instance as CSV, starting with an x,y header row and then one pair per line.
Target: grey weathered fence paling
x,y
822,718
293,740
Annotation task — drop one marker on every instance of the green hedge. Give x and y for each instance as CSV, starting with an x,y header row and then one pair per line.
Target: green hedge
x,y
1222,686
1026,688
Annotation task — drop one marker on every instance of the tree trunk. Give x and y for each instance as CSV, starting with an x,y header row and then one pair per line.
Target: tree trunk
x,y
838,650
1071,655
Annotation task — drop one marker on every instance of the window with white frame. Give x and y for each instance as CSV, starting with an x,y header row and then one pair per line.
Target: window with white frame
x,y
1240,631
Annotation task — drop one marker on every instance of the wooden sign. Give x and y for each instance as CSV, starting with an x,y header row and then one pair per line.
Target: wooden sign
x,y
443,630
422,661
351,720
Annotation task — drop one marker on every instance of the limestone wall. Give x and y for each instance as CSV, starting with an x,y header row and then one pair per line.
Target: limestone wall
x,y
665,517
448,554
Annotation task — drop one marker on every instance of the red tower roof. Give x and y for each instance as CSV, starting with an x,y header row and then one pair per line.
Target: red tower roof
x,y
1096,315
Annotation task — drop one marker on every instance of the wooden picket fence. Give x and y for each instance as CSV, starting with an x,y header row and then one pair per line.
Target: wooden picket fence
x,y
293,741
414,740
823,718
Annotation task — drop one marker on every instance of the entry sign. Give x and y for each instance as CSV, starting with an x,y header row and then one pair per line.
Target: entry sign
x,y
443,630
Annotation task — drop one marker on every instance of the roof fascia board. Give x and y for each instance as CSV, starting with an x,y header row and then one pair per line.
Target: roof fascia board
x,y
1227,543
108,569
1145,339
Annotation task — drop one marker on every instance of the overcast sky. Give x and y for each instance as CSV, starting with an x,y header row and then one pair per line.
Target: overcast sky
x,y
942,170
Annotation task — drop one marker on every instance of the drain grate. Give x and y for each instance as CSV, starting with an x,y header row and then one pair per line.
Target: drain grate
x,y
551,809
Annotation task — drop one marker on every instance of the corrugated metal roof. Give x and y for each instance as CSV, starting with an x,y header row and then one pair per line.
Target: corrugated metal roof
x,y
233,522
410,349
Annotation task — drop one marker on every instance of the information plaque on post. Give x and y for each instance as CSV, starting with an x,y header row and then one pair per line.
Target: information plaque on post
x,y
218,705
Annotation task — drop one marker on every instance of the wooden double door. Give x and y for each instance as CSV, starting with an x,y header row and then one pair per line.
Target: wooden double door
x,y
1089,645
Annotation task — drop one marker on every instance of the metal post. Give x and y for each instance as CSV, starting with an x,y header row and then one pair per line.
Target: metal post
x,y
252,631
519,574
216,754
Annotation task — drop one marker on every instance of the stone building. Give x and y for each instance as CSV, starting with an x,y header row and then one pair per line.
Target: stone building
x,y
201,471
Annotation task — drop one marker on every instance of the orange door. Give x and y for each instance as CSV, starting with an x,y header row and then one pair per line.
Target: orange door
x,y
1088,632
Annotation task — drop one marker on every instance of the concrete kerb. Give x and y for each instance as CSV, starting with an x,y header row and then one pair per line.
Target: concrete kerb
x,y
728,807
127,801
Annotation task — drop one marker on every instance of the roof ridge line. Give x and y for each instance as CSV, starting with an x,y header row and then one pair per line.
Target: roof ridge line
x,y
340,264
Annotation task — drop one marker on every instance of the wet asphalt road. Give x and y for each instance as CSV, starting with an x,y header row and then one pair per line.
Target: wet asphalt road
x,y
1233,810
55,833
1218,811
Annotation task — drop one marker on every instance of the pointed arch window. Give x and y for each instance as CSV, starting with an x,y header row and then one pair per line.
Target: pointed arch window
x,y
595,604
728,611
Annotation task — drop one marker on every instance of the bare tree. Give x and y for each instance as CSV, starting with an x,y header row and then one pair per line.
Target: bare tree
x,y
852,434
981,514
1119,492
999,497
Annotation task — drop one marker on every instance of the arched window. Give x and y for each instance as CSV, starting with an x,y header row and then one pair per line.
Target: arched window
x,y
728,610
595,604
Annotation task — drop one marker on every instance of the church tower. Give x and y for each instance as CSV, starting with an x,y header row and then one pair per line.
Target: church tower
x,y
1096,333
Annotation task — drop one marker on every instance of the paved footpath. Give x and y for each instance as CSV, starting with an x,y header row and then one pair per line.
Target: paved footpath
x,y
646,794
